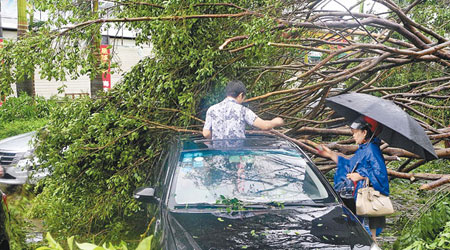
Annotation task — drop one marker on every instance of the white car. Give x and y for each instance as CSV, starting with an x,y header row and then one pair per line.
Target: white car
x,y
18,161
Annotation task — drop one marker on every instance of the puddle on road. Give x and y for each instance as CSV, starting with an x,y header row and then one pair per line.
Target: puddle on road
x,y
19,200
34,237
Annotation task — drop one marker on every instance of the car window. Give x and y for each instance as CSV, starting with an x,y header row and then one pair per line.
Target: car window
x,y
251,176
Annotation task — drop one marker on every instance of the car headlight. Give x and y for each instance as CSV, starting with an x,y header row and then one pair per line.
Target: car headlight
x,y
24,163
28,160
28,154
374,246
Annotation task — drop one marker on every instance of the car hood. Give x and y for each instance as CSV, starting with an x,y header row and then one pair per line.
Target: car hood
x,y
18,143
331,227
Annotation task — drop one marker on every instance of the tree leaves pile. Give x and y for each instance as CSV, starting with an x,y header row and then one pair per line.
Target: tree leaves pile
x,y
430,228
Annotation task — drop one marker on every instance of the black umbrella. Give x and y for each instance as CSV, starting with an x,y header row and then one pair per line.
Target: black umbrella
x,y
399,129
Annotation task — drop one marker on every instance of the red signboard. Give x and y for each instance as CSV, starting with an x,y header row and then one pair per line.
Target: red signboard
x,y
106,75
1,46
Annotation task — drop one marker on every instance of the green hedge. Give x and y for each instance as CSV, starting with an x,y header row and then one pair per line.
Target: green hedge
x,y
24,114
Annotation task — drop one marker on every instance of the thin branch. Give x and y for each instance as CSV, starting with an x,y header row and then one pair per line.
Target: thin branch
x,y
357,20
136,3
242,48
229,40
435,184
161,18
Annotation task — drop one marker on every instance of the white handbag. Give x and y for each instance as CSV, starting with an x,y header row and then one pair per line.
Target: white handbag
x,y
371,203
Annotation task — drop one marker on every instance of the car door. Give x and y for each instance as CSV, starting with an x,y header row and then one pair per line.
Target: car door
x,y
168,165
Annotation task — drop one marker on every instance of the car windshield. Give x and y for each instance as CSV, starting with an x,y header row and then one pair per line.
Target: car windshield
x,y
251,176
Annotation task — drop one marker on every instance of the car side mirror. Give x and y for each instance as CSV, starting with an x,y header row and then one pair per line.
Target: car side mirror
x,y
145,194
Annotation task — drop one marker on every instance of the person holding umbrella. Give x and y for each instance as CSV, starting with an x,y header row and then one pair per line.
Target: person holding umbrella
x,y
367,162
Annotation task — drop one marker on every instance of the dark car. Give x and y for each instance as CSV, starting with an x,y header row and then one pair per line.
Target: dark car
x,y
262,192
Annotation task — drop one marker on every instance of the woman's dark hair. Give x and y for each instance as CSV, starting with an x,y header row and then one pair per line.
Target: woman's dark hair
x,y
369,132
234,88
363,124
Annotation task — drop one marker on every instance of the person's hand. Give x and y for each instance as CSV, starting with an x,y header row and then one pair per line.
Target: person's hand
x,y
2,171
355,176
268,124
278,121
325,152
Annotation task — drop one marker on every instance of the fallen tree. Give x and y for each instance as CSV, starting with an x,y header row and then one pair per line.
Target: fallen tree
x,y
100,150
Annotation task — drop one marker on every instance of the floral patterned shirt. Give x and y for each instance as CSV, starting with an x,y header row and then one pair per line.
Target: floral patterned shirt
x,y
227,119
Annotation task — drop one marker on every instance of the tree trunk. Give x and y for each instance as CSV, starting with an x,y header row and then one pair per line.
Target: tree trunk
x,y
96,81
26,86
1,27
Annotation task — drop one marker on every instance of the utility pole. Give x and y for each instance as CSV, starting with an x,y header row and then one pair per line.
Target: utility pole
x,y
27,84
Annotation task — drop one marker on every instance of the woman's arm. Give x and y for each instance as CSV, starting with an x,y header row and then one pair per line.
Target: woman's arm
x,y
328,153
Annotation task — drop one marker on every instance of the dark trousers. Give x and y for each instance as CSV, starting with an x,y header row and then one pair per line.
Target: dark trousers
x,y
351,204
374,222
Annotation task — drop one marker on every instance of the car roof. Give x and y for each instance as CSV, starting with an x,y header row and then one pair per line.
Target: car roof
x,y
252,141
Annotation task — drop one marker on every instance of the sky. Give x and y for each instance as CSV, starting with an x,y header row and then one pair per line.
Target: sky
x,y
333,5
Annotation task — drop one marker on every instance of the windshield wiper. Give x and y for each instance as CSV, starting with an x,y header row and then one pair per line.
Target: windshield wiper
x,y
288,204
252,205
223,206
306,204
201,205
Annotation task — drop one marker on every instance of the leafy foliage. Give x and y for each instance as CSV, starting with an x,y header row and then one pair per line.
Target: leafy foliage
x,y
24,114
25,107
442,241
145,244
233,204
20,126
434,14
99,151
430,228
15,222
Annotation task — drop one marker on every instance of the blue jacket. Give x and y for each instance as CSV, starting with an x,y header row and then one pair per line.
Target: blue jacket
x,y
371,164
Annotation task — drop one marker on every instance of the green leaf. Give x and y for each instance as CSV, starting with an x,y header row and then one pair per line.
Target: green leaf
x,y
70,242
88,246
145,244
53,244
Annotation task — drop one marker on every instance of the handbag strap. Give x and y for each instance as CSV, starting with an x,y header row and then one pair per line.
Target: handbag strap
x,y
354,168
366,179
366,182
354,182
